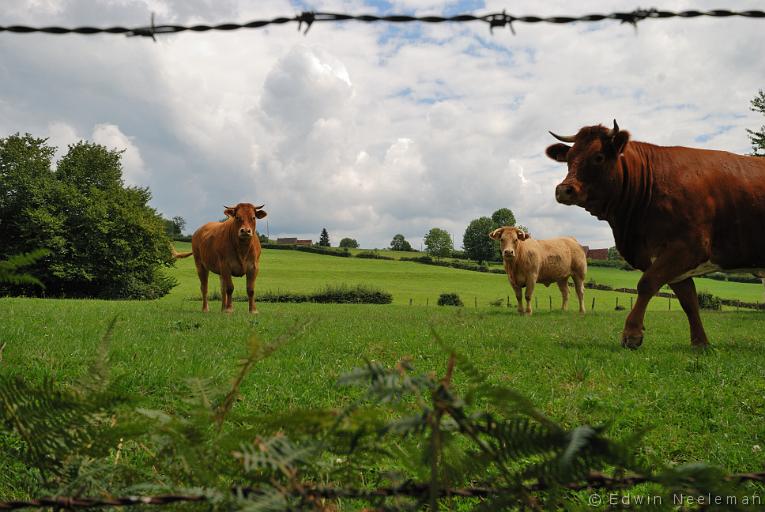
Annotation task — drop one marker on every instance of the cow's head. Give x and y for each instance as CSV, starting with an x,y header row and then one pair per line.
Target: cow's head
x,y
509,237
244,216
592,165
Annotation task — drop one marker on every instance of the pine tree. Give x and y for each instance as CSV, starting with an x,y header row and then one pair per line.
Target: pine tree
x,y
324,238
758,137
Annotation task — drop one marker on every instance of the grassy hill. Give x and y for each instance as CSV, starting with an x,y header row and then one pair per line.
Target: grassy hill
x,y
706,406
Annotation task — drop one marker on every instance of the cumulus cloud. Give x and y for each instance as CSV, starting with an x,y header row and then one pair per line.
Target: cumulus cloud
x,y
370,129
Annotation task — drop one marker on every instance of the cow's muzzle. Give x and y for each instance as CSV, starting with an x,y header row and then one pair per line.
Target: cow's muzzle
x,y
508,254
245,233
565,193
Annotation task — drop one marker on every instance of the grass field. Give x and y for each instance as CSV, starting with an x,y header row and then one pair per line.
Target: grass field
x,y
696,406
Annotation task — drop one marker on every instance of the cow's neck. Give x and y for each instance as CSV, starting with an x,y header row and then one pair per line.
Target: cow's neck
x,y
518,263
625,210
242,246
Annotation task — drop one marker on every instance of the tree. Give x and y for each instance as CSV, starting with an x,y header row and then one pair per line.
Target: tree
x,y
349,243
399,243
438,243
478,246
613,254
263,238
103,239
758,137
174,227
324,238
503,217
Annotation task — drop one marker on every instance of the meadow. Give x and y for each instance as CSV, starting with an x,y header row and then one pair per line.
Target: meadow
x,y
693,406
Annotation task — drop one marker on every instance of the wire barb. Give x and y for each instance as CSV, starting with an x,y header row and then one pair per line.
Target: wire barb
x,y
309,17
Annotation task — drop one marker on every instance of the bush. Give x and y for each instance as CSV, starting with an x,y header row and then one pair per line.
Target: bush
x,y
373,256
315,249
103,239
449,299
709,301
342,294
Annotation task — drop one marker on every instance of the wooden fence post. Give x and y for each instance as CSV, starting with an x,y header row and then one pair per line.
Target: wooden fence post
x,y
593,304
410,301
550,297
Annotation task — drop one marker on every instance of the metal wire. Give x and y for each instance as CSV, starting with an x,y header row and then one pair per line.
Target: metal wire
x,y
493,20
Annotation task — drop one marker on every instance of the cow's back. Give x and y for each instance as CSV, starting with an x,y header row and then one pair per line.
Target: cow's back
x,y
560,258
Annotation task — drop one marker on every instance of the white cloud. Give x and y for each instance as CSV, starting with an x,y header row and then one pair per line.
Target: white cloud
x,y
371,129
134,170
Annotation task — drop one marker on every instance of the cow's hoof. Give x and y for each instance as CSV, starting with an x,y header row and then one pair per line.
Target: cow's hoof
x,y
632,342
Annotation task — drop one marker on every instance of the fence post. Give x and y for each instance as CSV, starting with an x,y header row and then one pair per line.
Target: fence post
x,y
410,301
593,304
550,297
536,302
508,301
617,303
630,302
426,302
669,303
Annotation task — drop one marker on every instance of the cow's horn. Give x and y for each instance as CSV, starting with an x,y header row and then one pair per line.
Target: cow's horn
x,y
228,207
260,207
564,138
614,130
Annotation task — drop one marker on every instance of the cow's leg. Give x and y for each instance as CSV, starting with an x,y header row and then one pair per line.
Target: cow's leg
x,y
203,274
519,297
563,286
251,275
530,282
672,263
226,291
686,294
579,287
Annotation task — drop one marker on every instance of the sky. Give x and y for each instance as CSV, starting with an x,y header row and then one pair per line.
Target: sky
x,y
369,130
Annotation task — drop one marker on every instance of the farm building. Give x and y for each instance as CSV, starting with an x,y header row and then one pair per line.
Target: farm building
x,y
293,241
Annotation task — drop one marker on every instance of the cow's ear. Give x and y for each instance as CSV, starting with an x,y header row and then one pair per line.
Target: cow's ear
x,y
522,235
620,141
558,152
496,234
260,214
230,212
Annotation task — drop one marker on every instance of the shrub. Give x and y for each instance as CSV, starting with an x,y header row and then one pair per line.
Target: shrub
x,y
342,294
449,299
373,256
103,238
709,301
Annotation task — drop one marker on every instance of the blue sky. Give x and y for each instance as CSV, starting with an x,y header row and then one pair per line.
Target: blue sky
x,y
373,129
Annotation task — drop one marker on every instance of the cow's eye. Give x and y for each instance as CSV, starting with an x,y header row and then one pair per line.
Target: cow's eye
x,y
253,217
598,158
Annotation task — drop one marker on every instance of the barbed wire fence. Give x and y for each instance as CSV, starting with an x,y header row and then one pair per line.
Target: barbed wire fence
x,y
308,18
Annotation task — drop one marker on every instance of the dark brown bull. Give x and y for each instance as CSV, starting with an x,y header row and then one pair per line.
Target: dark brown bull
x,y
675,212
228,248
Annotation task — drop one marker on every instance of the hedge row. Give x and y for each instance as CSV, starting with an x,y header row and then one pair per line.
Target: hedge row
x,y
328,251
427,260
373,256
341,294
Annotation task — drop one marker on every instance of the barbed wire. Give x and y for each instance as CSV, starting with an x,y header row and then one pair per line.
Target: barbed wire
x,y
494,20
594,482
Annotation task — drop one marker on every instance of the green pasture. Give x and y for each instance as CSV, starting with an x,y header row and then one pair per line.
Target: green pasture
x,y
693,406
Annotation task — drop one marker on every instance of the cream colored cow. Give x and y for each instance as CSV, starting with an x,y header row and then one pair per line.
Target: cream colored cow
x,y
528,261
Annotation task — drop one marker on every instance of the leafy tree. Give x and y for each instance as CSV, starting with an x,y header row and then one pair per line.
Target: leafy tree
x,y
263,238
438,243
478,246
613,254
324,238
758,137
349,243
174,227
503,217
103,238
399,243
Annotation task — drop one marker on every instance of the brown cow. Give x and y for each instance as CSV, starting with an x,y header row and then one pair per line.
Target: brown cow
x,y
228,248
675,212
528,261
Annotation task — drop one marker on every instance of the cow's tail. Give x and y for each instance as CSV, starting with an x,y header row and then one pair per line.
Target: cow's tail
x,y
178,255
